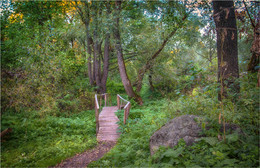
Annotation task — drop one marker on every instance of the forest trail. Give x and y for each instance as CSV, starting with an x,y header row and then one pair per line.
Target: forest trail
x,y
83,159
107,137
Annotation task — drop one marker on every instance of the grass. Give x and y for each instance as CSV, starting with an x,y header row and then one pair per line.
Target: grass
x,y
43,142
132,149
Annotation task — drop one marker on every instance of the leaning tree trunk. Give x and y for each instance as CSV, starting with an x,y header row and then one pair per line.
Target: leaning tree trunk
x,y
150,61
121,64
228,72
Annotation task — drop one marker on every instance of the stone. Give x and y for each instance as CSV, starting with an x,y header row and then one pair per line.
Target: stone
x,y
184,127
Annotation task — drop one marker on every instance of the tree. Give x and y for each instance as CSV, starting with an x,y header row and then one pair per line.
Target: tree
x,y
167,17
96,32
255,49
228,72
121,64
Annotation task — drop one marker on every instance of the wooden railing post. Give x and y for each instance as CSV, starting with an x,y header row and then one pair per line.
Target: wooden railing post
x,y
105,99
124,116
126,111
100,100
118,102
97,114
127,106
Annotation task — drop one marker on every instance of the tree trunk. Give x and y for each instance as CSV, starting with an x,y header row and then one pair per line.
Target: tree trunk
x,y
255,49
106,55
85,20
96,49
125,80
90,74
228,72
150,78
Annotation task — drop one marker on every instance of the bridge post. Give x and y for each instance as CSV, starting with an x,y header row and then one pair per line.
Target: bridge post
x,y
105,99
118,102
126,111
97,114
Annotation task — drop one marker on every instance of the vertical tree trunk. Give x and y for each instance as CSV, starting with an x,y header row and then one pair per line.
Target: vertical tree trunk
x,y
86,21
105,64
125,80
106,54
96,48
228,72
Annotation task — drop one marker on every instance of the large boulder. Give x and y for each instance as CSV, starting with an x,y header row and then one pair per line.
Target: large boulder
x,y
184,127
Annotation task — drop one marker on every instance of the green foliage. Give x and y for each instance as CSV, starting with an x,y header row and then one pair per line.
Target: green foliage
x,y
238,148
133,146
209,152
44,78
38,142
114,87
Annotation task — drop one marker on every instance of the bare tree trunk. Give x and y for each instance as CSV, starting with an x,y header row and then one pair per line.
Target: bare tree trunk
x,y
96,47
228,72
125,80
106,55
105,65
90,74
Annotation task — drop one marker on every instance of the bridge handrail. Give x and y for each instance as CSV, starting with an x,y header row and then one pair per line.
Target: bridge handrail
x,y
126,108
98,105
96,113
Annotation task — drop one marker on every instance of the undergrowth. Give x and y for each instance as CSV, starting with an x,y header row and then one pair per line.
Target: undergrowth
x,y
43,142
237,150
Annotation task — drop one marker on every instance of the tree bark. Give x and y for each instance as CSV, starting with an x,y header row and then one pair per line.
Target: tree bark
x,y
6,131
90,74
97,75
228,72
123,74
255,49
106,56
96,48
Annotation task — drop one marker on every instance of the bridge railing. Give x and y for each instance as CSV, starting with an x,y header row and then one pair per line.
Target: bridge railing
x,y
123,104
100,99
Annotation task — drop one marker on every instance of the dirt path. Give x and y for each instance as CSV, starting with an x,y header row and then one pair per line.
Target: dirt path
x,y
83,159
107,137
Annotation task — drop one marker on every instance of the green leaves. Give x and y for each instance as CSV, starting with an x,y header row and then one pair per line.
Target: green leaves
x,y
38,142
173,153
210,140
232,137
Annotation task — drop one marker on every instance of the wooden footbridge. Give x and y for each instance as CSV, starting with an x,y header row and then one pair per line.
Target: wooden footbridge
x,y
106,119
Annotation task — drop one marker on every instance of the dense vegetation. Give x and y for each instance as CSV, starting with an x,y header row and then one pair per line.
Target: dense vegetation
x,y
164,56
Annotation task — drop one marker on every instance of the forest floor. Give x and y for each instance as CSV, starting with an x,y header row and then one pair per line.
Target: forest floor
x,y
83,159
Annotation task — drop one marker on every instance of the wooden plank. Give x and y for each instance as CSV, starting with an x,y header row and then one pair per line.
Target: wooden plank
x,y
108,128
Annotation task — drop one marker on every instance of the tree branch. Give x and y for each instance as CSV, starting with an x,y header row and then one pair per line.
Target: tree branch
x,y
251,20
